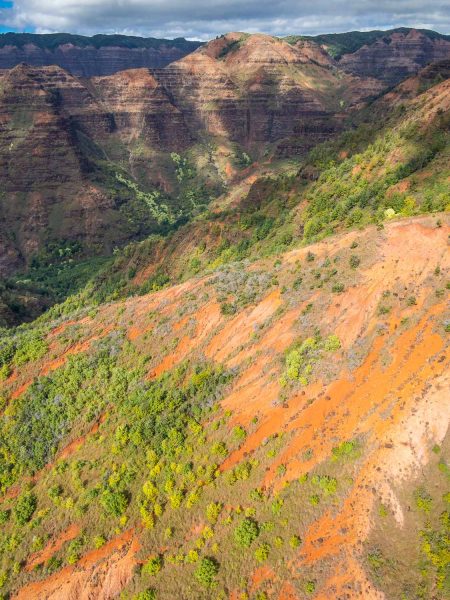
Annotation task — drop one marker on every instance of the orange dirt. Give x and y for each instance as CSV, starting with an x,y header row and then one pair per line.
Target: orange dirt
x,y
79,442
100,574
392,398
54,546
60,361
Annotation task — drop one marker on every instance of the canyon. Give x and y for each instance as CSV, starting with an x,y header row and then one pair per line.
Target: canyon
x,y
224,329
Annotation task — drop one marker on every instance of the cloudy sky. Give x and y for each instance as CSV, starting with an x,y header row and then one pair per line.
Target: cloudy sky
x,y
203,19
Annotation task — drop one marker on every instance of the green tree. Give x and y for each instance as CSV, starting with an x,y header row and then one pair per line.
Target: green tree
x,y
25,506
246,532
207,571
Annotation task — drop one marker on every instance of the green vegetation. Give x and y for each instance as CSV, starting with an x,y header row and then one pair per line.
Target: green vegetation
x,y
206,571
51,41
246,532
301,359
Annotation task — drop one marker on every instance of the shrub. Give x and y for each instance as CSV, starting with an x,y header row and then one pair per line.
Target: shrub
x,y
277,505
326,483
383,310
213,511
354,261
114,502
310,587
262,553
228,309
55,492
348,449
146,595
295,541
31,348
423,500
220,449
153,566
257,495
74,551
239,433
338,288
246,532
332,343
99,541
281,470
242,471
53,564
206,571
25,507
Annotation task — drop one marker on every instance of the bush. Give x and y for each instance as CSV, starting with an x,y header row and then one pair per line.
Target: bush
x,y
423,500
310,587
74,551
206,571
262,553
31,348
228,309
246,532
348,449
147,595
332,343
239,433
25,507
99,541
338,288
354,261
213,511
115,503
153,566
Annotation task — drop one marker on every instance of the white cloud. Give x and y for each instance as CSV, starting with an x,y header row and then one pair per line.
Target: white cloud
x,y
207,18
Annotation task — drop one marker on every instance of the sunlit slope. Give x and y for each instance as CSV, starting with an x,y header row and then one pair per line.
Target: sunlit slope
x,y
276,427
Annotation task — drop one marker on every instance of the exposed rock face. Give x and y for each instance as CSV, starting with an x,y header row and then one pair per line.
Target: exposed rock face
x,y
396,56
90,60
257,89
56,128
260,93
142,108
45,115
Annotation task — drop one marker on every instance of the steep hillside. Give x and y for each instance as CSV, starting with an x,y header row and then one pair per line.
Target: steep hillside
x,y
389,55
90,56
256,89
397,56
90,164
254,404
173,443
395,161
395,158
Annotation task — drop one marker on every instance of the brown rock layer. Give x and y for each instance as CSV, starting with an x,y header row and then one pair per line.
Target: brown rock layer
x,y
89,61
396,56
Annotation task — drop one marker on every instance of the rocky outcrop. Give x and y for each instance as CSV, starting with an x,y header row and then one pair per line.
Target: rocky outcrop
x,y
90,57
396,56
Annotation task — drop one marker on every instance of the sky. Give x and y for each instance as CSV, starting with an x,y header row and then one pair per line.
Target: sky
x,y
204,19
